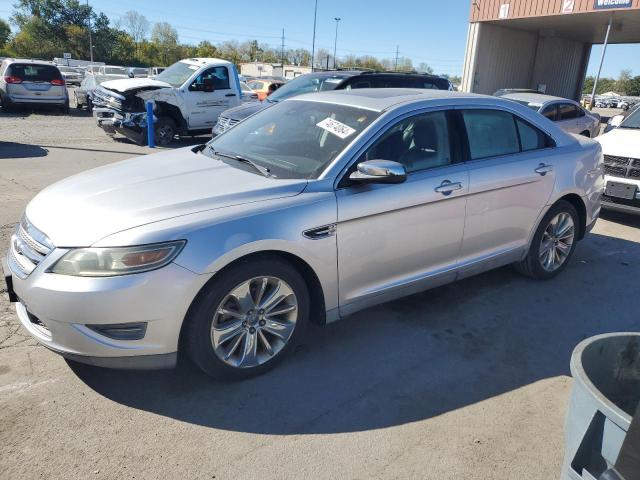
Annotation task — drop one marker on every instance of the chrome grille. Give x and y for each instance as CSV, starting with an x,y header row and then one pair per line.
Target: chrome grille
x,y
225,123
621,166
101,97
29,246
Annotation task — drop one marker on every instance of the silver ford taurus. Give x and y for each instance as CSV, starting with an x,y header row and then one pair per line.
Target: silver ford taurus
x,y
306,212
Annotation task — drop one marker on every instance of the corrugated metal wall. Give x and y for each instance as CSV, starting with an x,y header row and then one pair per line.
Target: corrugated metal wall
x,y
500,57
560,65
489,9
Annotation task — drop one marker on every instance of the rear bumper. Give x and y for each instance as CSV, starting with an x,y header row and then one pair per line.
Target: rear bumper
x,y
38,100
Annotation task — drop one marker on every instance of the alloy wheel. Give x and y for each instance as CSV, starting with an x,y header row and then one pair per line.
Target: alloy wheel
x,y
557,242
254,322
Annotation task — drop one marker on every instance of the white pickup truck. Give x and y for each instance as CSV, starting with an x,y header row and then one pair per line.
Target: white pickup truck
x,y
188,97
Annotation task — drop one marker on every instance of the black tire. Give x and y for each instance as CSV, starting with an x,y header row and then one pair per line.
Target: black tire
x,y
165,130
197,334
531,266
89,105
64,109
7,106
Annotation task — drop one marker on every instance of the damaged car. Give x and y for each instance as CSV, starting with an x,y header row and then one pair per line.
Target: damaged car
x,y
187,99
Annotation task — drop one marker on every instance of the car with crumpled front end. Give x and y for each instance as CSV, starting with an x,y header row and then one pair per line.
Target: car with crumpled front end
x,y
313,209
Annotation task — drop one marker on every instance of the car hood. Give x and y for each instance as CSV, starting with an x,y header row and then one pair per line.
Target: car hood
x,y
126,84
87,207
621,142
243,111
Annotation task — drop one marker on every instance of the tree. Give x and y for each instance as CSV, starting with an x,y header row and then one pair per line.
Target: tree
x,y
424,68
5,33
623,79
205,49
165,38
136,25
633,86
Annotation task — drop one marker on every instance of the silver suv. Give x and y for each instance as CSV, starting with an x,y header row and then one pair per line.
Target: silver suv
x,y
308,211
32,82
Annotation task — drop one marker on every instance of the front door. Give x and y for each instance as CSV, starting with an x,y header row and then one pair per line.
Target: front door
x,y
394,240
209,95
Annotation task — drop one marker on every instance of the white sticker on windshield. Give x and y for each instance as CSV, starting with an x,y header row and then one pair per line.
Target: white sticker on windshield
x,y
194,67
339,129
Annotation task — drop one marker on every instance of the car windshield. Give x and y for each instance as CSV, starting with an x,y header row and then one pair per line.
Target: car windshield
x,y
177,74
294,139
632,121
308,83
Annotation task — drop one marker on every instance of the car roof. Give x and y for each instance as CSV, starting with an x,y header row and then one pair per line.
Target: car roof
x,y
29,60
535,98
380,99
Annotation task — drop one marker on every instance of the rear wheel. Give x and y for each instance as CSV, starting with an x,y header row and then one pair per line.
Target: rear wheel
x,y
249,319
6,103
553,243
165,130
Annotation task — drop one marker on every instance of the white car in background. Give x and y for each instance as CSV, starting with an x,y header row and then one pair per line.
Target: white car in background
x,y
621,148
248,95
568,114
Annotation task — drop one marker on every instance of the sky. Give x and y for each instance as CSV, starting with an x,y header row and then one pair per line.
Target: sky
x,y
423,30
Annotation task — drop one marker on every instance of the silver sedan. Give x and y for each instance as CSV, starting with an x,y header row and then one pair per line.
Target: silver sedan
x,y
306,212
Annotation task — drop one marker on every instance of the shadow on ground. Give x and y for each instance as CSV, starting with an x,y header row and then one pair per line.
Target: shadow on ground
x,y
411,359
21,150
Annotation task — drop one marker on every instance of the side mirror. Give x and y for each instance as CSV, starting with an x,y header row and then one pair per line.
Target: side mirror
x,y
208,85
379,171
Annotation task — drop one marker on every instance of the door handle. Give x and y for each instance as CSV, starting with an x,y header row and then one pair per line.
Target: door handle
x,y
543,169
230,95
446,187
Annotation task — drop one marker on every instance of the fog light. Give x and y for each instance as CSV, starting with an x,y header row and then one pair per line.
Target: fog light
x,y
121,331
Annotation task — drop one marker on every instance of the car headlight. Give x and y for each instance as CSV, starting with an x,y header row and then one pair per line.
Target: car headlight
x,y
113,261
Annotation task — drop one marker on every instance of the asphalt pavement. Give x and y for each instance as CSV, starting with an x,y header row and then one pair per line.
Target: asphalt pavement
x,y
467,381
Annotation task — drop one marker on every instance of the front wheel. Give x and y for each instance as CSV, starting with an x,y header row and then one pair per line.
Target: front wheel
x,y
249,319
553,243
165,130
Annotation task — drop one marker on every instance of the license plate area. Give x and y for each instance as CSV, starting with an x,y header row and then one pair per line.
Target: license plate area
x,y
621,190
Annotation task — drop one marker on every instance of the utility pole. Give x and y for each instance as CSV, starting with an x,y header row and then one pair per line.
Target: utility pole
x,y
335,42
327,62
90,38
604,50
282,53
313,44
397,52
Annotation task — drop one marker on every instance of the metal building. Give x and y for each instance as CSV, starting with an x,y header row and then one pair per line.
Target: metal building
x,y
542,44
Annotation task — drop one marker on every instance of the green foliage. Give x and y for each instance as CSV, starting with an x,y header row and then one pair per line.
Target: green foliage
x,y
5,33
633,86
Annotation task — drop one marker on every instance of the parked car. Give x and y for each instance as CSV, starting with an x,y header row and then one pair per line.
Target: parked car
x,y
72,76
505,91
568,114
84,93
188,97
32,82
154,71
616,120
137,72
621,147
307,212
332,80
264,86
112,70
248,95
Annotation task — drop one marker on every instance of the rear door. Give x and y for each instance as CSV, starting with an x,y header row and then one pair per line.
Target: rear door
x,y
511,178
33,81
205,106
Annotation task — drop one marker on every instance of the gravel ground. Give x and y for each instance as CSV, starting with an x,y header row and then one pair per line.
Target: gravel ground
x,y
465,381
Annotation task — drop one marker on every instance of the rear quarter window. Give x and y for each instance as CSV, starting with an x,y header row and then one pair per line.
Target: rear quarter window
x,y
34,73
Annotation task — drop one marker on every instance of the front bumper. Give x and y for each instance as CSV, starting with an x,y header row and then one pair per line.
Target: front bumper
x,y
622,204
59,311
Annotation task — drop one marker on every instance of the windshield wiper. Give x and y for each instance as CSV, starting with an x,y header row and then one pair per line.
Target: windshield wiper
x,y
264,171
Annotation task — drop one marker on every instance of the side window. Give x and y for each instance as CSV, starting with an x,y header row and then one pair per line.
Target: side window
x,y
420,142
550,112
530,137
219,77
567,111
491,133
